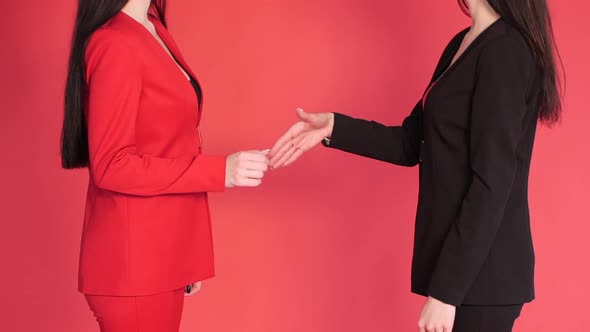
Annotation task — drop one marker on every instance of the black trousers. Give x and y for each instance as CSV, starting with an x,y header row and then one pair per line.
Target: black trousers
x,y
484,318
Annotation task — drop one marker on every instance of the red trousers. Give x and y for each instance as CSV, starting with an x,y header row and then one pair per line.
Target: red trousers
x,y
151,313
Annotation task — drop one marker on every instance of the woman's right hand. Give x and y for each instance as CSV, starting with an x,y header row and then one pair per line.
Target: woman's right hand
x,y
245,168
301,137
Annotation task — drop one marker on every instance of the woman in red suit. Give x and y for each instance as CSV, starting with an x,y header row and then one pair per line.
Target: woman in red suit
x,y
132,113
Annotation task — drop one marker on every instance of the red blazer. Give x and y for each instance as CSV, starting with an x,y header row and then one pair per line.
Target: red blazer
x,y
147,225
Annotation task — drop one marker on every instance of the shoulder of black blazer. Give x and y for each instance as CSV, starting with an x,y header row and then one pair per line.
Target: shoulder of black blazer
x,y
400,144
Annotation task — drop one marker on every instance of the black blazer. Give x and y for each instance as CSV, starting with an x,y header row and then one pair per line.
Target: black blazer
x,y
473,142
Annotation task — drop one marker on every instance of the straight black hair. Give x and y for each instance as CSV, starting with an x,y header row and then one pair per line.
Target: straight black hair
x,y
533,20
91,15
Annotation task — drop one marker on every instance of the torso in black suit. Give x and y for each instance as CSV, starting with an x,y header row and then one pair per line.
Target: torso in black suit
x,y
473,142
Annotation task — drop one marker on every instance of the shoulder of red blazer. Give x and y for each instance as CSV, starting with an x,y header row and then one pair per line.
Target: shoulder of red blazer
x,y
115,35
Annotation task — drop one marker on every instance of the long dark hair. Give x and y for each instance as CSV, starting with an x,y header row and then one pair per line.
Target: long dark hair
x,y
532,19
91,15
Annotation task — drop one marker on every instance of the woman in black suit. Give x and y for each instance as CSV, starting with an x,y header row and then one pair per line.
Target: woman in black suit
x,y
472,136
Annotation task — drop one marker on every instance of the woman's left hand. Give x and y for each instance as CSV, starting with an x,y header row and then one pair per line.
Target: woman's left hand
x,y
436,316
196,287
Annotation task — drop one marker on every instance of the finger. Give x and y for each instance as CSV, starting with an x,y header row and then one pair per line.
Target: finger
x,y
280,144
194,288
246,182
253,156
254,166
277,150
286,156
192,292
303,115
197,286
295,130
262,152
296,142
298,153
281,153
252,174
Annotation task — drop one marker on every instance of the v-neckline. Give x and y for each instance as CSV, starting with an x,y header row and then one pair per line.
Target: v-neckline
x,y
450,65
181,68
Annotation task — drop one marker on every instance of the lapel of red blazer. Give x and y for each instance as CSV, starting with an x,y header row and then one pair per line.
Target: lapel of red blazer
x,y
169,41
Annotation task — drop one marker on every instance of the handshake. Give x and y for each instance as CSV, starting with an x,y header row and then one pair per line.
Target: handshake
x,y
247,168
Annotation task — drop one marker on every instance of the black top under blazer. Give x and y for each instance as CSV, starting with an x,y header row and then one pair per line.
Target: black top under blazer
x,y
473,142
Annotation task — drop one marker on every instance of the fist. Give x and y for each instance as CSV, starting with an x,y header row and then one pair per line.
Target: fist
x,y
246,168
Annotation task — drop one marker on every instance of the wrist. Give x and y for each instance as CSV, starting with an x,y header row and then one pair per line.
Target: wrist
x,y
329,130
330,127
433,299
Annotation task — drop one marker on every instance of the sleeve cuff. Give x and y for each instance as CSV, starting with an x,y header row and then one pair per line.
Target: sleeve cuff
x,y
445,296
342,126
208,173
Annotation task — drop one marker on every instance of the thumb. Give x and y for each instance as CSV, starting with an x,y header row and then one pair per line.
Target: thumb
x,y
303,115
262,152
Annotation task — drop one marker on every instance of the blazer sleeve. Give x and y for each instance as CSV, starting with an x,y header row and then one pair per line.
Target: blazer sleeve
x,y
398,145
498,109
394,144
114,84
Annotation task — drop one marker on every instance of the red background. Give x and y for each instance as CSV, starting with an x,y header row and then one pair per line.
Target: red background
x,y
324,245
